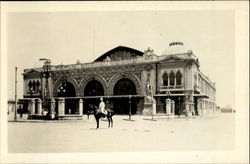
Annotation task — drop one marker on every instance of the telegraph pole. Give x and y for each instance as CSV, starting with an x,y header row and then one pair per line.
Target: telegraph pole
x,y
15,119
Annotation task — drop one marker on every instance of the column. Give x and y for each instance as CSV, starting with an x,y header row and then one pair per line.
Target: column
x,y
203,107
172,107
191,103
80,107
39,106
168,106
32,106
168,80
52,106
154,107
61,106
175,80
199,106
187,108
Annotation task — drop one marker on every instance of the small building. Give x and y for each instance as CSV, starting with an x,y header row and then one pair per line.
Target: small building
x,y
129,79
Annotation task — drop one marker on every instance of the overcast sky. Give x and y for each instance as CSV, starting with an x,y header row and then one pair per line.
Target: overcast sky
x,y
65,37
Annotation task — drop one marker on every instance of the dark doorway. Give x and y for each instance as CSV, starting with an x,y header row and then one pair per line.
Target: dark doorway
x,y
93,88
126,87
66,89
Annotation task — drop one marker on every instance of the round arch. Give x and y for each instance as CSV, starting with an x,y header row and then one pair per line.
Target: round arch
x,y
97,78
66,89
93,88
124,86
118,77
62,80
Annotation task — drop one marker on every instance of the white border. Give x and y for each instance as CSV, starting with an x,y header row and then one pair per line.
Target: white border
x,y
241,58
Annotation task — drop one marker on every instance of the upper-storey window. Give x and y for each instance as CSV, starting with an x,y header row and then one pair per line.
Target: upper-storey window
x,y
30,85
165,79
178,78
33,85
172,78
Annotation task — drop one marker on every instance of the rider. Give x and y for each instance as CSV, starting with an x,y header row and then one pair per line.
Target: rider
x,y
102,106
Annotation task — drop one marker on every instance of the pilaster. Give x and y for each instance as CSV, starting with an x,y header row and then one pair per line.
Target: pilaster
x,y
61,106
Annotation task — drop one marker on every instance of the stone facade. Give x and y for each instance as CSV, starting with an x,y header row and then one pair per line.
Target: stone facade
x,y
177,86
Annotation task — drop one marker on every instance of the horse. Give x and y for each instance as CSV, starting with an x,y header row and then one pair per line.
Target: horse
x,y
98,115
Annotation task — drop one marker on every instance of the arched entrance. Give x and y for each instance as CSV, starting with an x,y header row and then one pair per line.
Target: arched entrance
x,y
93,88
67,90
126,87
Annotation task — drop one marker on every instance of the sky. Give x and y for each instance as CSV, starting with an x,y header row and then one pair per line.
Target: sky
x,y
65,37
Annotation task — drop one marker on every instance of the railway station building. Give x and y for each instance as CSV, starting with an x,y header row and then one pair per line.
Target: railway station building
x,y
129,80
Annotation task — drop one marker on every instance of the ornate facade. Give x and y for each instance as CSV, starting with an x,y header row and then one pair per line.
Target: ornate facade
x,y
129,79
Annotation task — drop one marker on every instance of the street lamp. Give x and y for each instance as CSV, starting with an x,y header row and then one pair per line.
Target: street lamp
x,y
46,74
129,96
61,90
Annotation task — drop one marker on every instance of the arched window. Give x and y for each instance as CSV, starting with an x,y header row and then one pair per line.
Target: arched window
x,y
165,79
172,78
34,85
178,78
30,85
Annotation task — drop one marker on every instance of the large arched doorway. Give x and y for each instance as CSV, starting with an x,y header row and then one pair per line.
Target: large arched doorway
x,y
126,87
92,89
67,90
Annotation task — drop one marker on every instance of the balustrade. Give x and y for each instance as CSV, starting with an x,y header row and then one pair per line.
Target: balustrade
x,y
172,87
97,64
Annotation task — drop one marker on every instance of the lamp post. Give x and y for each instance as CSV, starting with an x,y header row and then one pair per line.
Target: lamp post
x,y
46,74
15,117
129,96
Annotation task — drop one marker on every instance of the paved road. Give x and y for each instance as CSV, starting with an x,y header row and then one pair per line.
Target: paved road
x,y
195,134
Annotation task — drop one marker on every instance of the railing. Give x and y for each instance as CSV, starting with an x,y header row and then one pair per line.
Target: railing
x,y
105,63
172,87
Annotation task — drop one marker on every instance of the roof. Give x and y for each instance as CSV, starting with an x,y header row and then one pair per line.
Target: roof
x,y
119,48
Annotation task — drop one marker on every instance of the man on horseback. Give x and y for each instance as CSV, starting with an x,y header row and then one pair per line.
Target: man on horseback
x,y
102,107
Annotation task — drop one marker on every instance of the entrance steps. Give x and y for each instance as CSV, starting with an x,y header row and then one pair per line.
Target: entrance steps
x,y
70,117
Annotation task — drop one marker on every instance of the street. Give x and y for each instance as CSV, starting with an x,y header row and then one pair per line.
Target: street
x,y
215,132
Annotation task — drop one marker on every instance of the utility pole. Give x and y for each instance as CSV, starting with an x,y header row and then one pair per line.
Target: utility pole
x,y
15,119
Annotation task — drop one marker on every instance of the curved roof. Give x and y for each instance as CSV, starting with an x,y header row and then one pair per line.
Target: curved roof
x,y
119,48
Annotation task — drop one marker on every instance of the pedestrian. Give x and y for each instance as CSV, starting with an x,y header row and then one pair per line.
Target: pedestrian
x,y
21,112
